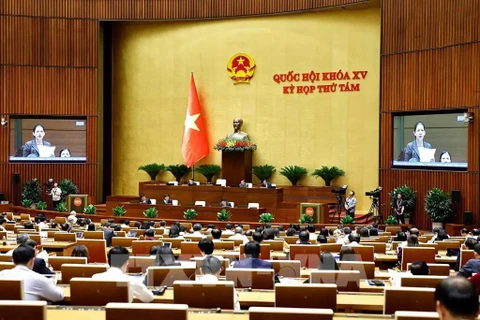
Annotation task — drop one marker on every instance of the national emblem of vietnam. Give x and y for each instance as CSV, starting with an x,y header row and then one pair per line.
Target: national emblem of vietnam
x,y
241,68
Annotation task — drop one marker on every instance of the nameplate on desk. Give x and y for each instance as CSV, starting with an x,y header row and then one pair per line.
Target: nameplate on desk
x,y
4,202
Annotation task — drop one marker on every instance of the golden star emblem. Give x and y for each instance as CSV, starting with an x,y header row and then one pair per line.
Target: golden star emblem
x,y
190,121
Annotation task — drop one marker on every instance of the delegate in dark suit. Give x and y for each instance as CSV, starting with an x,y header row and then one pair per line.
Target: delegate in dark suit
x,y
253,263
252,252
411,151
39,266
30,148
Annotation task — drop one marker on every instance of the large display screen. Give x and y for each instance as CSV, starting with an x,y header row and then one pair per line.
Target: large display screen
x,y
48,139
430,141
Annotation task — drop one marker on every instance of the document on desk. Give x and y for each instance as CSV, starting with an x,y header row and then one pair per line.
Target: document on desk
x,y
426,155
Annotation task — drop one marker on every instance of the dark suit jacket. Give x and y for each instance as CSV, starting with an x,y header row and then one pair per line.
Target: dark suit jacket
x,y
266,185
227,205
39,266
411,151
108,234
253,263
147,201
168,202
30,149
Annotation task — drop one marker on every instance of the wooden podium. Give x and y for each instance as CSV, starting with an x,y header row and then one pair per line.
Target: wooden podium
x,y
237,165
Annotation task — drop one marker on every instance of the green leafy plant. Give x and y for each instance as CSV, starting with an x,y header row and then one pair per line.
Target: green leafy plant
x,y
293,173
152,169
438,205
305,218
41,205
68,188
224,215
26,203
190,214
90,209
391,220
119,211
151,213
178,170
32,190
263,172
408,194
328,174
347,220
266,217
209,171
61,207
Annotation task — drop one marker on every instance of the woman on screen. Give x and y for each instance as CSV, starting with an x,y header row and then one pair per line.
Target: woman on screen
x,y
412,151
30,148
445,157
65,153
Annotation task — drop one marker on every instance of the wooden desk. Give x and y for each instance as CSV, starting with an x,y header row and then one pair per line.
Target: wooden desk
x,y
176,212
393,258
60,248
267,197
99,314
266,298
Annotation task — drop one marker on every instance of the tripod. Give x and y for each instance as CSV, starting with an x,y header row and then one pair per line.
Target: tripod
x,y
338,206
375,210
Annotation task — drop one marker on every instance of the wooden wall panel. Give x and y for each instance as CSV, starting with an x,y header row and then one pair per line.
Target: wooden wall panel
x,y
71,42
411,25
430,61
20,40
422,181
36,90
163,9
433,79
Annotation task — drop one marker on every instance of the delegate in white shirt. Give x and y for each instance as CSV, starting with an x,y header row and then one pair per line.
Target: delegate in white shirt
x,y
209,278
138,289
37,287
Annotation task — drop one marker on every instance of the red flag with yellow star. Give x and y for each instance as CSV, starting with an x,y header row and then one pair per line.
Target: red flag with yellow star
x,y
195,141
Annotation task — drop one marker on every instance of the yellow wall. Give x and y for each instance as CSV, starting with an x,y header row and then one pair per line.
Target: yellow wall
x,y
152,65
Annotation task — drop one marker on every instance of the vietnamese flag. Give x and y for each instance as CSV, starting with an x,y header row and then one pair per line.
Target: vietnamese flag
x,y
195,141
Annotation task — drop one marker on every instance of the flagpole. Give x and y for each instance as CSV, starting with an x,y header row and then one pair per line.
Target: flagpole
x,y
193,170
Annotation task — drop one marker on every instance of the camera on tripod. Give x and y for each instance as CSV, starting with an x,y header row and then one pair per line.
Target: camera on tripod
x,y
374,193
340,191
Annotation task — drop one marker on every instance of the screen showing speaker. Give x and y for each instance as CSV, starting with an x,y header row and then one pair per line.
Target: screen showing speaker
x,y
430,140
52,139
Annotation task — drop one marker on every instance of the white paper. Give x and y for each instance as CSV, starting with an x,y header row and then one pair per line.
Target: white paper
x,y
46,151
426,155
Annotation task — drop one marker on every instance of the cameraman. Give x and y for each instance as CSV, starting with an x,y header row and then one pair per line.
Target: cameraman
x,y
350,204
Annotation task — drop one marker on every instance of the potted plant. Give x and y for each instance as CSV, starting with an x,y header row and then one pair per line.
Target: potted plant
x,y
305,219
347,220
61,207
263,172
41,205
90,209
293,173
409,195
178,170
224,215
266,217
26,203
119,211
67,187
32,190
209,171
150,213
438,206
152,169
328,174
190,214
391,220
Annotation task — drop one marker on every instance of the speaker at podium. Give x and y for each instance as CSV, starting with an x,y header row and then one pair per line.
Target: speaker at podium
x,y
77,202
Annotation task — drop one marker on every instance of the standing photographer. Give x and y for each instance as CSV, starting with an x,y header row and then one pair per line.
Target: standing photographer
x,y
350,204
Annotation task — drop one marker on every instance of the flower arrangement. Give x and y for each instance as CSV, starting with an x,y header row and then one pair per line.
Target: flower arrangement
x,y
151,213
305,218
90,209
224,215
228,144
266,217
190,214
